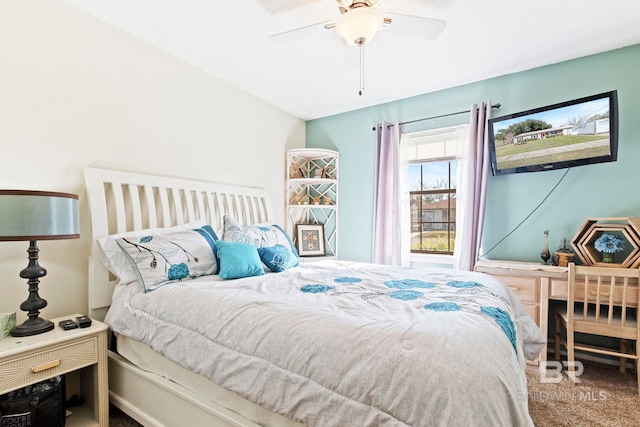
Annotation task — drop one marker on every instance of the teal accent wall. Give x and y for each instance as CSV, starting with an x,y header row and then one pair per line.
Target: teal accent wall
x,y
602,190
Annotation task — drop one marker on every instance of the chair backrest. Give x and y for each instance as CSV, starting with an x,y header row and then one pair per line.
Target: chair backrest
x,y
605,294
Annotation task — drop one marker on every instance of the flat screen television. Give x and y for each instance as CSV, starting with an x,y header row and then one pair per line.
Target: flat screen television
x,y
573,133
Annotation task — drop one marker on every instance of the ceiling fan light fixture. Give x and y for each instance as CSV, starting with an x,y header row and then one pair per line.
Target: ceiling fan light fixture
x,y
358,26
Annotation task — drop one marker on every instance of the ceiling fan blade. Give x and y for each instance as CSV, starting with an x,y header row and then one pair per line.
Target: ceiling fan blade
x,y
302,32
415,26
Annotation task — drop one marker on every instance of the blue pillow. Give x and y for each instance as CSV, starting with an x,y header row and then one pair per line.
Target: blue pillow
x,y
277,258
238,260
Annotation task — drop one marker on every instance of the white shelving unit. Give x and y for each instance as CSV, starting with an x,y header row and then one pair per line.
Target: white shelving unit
x,y
312,193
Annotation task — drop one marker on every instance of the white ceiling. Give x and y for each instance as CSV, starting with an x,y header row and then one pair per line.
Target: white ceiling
x,y
306,77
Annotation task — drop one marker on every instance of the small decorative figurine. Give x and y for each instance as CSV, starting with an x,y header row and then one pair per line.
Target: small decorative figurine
x,y
316,200
327,172
545,254
326,200
294,171
563,256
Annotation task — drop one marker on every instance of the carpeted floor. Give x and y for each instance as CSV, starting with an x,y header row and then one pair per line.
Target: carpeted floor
x,y
605,398
117,418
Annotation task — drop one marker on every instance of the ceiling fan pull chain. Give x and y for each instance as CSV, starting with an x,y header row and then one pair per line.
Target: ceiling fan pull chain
x,y
361,69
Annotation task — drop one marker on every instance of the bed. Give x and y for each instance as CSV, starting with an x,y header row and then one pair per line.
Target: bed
x,y
323,343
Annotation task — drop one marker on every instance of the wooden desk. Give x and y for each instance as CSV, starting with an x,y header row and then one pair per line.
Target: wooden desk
x,y
535,284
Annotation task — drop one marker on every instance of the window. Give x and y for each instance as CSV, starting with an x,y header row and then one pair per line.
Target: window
x,y
432,182
432,200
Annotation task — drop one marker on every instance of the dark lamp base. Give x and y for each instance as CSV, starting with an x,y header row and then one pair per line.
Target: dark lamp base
x,y
32,326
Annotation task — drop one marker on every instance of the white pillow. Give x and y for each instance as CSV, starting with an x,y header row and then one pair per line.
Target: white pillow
x,y
117,261
263,235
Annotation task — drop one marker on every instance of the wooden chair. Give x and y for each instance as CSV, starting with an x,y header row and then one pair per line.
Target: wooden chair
x,y
602,301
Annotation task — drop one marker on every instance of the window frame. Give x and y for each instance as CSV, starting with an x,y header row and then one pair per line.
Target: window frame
x,y
445,142
451,191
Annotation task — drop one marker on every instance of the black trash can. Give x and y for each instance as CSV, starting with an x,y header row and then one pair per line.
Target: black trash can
x,y
37,405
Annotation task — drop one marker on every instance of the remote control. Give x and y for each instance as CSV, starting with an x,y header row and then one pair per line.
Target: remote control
x,y
84,321
68,324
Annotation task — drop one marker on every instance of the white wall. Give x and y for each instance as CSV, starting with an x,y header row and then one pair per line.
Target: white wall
x,y
75,92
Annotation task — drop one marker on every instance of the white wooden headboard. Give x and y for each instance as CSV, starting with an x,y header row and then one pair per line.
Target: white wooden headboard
x,y
124,201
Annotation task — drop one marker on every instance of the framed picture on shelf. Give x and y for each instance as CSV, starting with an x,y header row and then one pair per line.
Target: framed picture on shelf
x,y
310,239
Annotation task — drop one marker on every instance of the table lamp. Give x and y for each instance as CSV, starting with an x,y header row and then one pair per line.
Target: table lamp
x,y
31,216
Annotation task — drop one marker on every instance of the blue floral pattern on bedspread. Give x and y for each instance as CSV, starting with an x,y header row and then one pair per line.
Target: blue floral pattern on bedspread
x,y
347,280
408,284
503,319
442,306
463,285
405,294
316,288
448,296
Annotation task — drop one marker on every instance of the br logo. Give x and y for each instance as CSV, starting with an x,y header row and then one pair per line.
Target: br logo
x,y
551,372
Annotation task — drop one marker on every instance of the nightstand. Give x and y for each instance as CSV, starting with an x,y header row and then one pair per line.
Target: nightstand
x,y
27,360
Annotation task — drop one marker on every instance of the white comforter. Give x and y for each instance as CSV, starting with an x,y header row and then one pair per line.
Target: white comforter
x,y
348,344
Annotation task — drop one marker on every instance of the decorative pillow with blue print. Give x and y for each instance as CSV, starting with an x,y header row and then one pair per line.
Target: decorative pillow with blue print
x,y
118,262
268,236
277,258
168,258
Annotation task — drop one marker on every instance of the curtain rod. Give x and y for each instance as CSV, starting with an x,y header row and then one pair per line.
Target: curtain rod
x,y
437,117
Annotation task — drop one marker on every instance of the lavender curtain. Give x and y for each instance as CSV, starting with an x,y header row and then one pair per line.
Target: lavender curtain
x,y
389,230
473,189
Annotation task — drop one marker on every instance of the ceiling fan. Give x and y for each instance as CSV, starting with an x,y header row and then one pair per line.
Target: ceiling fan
x,y
360,21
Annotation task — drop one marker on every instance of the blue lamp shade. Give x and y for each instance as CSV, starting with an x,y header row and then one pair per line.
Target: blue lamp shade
x,y
32,216
38,215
